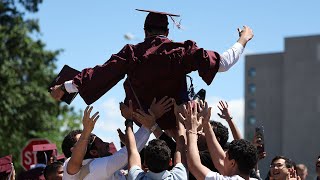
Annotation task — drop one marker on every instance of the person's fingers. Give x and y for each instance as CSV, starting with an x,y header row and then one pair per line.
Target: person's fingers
x,y
163,99
202,104
209,112
167,110
89,111
221,104
95,119
182,117
86,109
151,113
138,117
168,103
227,104
219,108
120,133
153,101
85,113
142,113
220,115
94,116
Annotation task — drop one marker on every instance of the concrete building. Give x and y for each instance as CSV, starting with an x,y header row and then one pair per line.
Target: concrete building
x,y
282,93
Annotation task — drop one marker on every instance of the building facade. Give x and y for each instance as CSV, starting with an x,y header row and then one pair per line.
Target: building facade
x,y
282,93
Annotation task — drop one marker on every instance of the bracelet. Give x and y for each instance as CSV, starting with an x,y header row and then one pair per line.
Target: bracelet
x,y
128,122
192,132
154,127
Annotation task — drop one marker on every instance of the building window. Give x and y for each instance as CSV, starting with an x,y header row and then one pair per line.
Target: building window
x,y
252,72
252,104
252,88
252,120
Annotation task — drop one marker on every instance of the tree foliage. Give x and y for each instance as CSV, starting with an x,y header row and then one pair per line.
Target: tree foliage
x,y
26,69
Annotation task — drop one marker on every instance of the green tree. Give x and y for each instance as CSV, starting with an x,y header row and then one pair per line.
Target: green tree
x,y
26,69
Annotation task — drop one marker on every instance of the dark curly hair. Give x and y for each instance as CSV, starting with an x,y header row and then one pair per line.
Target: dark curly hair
x,y
244,153
70,140
157,155
221,132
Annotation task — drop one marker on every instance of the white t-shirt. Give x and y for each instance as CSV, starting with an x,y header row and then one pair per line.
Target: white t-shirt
x,y
108,167
216,176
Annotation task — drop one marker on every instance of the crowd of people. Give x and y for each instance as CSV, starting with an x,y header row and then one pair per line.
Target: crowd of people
x,y
188,145
196,149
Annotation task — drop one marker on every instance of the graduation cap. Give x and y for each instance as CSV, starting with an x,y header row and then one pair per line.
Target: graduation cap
x,y
157,19
6,164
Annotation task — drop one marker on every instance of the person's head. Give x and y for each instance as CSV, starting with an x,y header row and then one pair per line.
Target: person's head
x,y
156,23
302,171
280,166
96,147
43,157
241,158
221,132
157,156
318,166
54,171
7,171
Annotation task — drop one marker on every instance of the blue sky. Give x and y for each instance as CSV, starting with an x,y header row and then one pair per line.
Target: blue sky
x,y
90,32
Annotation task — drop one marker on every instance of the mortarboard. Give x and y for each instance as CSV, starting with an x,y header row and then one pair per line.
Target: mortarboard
x,y
67,73
157,19
6,164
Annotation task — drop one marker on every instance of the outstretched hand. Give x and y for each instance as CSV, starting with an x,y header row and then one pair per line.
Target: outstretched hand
x,y
161,107
224,111
148,120
56,92
245,35
122,136
126,111
190,117
87,121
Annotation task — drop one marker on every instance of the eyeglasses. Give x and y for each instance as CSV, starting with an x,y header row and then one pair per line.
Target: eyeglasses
x,y
278,166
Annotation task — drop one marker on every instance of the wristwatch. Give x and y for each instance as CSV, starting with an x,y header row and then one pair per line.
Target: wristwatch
x,y
128,122
63,88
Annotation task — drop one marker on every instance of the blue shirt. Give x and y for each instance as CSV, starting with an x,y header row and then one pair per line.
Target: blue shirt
x,y
177,172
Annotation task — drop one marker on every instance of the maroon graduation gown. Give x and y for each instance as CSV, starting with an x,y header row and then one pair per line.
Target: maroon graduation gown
x,y
156,68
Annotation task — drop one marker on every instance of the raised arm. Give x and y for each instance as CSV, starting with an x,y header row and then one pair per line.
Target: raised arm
x,y
232,55
191,122
133,154
92,83
80,148
180,154
226,116
216,152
